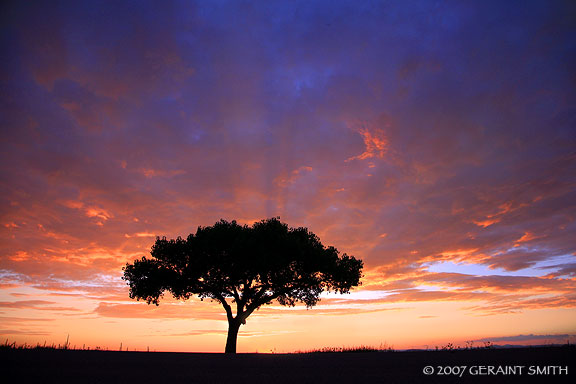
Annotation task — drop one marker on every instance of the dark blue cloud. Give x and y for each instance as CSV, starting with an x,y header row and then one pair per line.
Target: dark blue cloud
x,y
530,337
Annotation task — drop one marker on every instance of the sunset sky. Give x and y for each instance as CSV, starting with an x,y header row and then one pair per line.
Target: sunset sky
x,y
435,140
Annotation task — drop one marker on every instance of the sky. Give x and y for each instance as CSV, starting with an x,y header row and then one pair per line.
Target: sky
x,y
435,140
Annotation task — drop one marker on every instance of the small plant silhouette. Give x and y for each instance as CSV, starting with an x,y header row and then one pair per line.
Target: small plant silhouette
x,y
448,347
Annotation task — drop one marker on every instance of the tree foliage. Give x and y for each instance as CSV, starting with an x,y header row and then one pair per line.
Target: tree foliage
x,y
244,265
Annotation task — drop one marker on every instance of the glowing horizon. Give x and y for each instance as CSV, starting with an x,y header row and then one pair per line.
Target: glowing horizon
x,y
412,136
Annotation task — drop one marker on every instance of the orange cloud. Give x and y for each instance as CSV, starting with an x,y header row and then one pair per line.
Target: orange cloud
x,y
140,234
149,172
486,223
20,256
42,305
528,236
166,310
502,210
470,256
291,178
89,211
99,213
375,142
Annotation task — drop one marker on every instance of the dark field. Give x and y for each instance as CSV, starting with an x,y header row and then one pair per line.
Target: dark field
x,y
555,364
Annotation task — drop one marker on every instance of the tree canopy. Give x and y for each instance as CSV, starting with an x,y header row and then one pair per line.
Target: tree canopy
x,y
248,266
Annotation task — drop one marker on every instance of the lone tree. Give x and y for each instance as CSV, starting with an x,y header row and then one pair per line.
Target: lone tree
x,y
246,265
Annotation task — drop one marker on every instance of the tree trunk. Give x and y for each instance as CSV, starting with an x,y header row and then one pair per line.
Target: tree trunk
x,y
233,327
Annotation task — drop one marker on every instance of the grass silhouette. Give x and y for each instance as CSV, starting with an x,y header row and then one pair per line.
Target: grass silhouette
x,y
65,364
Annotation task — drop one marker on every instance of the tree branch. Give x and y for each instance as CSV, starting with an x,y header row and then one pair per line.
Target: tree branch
x,y
258,303
235,294
225,304
239,302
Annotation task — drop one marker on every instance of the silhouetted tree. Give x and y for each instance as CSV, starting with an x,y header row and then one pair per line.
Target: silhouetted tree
x,y
246,265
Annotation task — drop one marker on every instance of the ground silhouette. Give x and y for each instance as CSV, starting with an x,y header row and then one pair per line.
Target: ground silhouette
x,y
248,266
69,366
